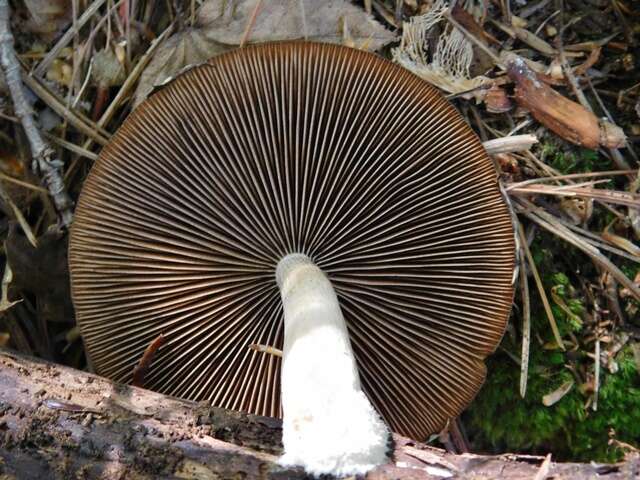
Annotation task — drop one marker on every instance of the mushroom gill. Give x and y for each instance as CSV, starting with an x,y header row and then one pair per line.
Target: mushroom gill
x,y
286,148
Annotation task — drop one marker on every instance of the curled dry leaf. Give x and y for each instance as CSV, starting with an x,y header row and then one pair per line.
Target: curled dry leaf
x,y
497,101
226,22
621,242
566,118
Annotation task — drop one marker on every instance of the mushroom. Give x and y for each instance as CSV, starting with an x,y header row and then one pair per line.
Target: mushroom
x,y
309,197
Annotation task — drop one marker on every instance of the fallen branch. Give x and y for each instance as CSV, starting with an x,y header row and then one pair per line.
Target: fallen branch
x,y
43,154
56,422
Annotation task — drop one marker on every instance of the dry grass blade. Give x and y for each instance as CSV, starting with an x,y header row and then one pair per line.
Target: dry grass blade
x,y
72,147
26,228
608,196
548,222
621,242
541,291
79,121
596,376
250,23
526,319
64,40
128,84
597,242
22,183
570,176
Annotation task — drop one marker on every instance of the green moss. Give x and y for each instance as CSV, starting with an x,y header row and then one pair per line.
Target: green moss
x,y
500,420
574,160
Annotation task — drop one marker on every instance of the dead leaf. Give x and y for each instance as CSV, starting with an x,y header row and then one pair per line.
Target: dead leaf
x,y
184,49
555,396
292,19
107,70
48,17
218,30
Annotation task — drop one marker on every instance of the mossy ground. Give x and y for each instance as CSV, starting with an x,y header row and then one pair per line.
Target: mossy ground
x,y
501,420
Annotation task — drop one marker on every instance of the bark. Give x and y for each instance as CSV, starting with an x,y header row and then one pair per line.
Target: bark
x,y
60,423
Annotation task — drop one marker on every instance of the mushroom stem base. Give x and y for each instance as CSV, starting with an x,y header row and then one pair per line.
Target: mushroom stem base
x,y
329,425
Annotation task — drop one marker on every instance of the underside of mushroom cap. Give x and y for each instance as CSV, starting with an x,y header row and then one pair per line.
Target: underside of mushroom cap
x,y
295,147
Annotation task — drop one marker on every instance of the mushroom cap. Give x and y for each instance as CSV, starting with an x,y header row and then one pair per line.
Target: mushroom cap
x,y
295,147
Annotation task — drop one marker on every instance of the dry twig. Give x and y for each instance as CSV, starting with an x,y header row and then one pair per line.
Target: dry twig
x,y
514,143
43,154
140,371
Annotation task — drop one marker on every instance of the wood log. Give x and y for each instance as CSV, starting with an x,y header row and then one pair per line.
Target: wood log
x,y
61,423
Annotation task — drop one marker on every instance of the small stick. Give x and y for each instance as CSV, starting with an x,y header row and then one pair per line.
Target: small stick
x,y
514,143
43,154
266,349
140,371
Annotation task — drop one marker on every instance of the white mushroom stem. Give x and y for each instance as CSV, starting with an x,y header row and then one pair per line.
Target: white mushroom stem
x,y
329,425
